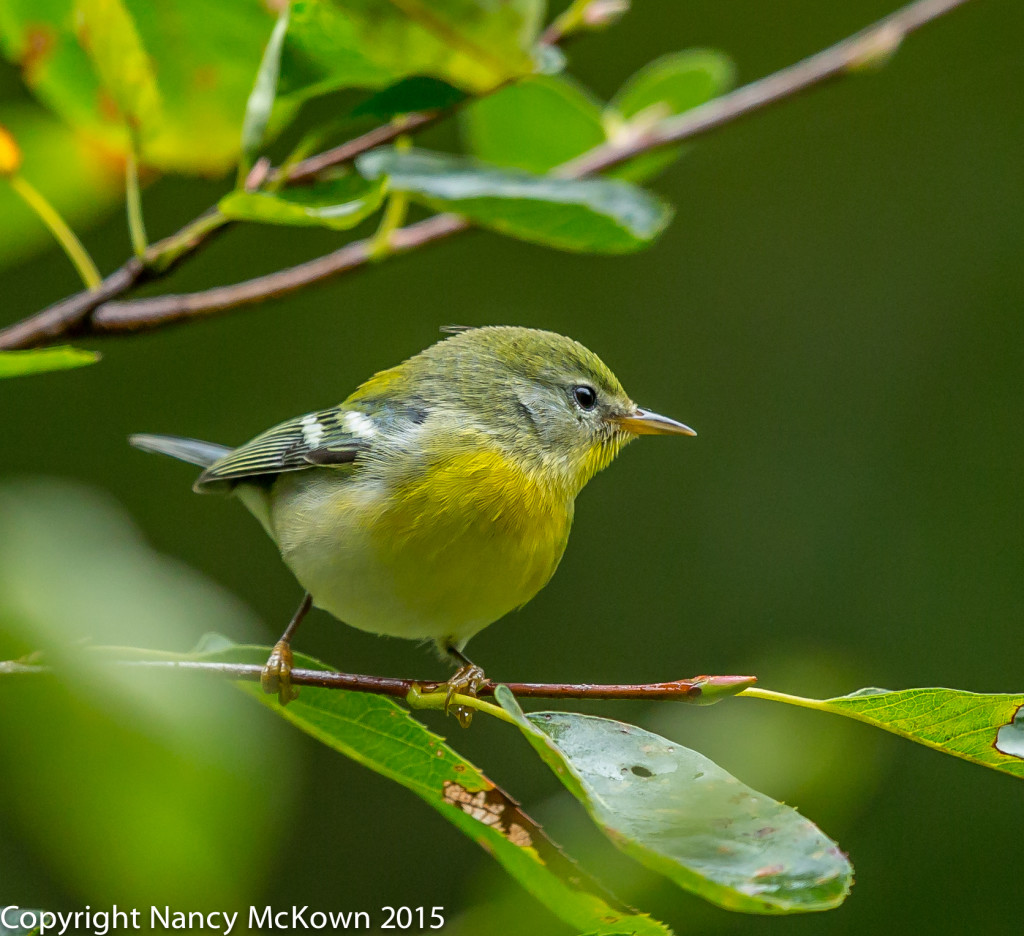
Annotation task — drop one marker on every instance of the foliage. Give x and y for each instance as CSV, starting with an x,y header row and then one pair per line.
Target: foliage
x,y
132,80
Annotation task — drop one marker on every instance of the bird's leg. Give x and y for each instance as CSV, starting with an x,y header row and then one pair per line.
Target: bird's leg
x,y
467,680
277,674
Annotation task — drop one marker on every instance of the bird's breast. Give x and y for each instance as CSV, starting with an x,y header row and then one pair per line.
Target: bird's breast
x,y
437,553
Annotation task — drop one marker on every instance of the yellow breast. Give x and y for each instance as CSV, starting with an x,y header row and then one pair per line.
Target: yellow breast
x,y
439,554
474,537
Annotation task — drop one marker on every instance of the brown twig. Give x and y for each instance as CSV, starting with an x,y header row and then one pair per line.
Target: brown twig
x,y
873,44
307,168
143,314
97,313
699,689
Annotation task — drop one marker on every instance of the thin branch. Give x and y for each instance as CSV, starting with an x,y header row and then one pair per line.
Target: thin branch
x,y
95,313
142,314
875,43
307,168
701,690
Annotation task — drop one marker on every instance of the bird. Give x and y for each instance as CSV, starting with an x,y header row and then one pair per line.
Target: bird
x,y
438,496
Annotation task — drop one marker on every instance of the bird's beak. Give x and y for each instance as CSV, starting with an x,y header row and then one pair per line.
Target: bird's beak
x,y
644,422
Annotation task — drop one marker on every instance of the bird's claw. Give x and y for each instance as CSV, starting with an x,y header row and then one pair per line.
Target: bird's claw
x,y
277,674
467,681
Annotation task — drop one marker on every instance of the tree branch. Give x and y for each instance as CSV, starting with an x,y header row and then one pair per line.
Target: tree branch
x,y
97,313
701,690
870,45
142,314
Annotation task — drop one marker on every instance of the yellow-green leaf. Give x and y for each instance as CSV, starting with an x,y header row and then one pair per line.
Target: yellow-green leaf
x,y
18,363
107,32
986,729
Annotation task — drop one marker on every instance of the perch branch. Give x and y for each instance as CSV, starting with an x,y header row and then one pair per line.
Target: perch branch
x,y
700,689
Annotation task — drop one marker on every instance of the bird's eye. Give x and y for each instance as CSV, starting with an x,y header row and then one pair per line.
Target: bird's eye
x,y
585,396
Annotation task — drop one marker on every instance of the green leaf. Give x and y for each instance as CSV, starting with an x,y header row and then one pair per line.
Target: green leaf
x,y
193,123
190,763
473,45
64,357
675,83
983,729
534,124
680,814
338,204
595,215
418,93
261,100
108,33
670,85
380,734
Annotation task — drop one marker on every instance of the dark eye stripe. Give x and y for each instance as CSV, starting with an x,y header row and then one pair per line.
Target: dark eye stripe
x,y
585,396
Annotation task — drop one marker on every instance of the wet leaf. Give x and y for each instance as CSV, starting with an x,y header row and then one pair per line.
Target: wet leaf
x,y
984,729
381,735
588,215
19,363
680,814
338,204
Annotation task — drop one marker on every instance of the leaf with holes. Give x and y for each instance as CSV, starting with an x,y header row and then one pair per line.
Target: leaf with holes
x,y
680,814
983,729
378,733
583,215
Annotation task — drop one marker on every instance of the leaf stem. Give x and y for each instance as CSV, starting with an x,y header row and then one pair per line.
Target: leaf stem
x,y
60,229
754,692
133,200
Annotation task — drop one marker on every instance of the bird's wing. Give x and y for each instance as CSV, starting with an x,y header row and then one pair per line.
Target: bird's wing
x,y
330,437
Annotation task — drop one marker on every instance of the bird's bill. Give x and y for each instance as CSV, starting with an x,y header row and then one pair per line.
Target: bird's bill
x,y
644,422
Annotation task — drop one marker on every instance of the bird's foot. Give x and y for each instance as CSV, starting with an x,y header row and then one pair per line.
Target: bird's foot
x,y
467,681
277,674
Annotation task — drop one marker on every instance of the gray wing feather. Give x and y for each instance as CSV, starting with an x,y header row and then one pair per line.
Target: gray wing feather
x,y
304,442
193,451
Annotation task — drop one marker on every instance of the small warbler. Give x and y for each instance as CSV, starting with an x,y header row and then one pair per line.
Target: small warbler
x,y
439,496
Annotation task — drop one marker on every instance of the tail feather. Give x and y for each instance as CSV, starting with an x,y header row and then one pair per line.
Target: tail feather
x,y
193,451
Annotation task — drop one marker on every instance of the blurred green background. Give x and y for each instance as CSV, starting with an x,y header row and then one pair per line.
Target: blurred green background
x,y
836,310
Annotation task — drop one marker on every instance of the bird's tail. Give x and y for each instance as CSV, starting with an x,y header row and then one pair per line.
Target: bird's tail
x,y
193,451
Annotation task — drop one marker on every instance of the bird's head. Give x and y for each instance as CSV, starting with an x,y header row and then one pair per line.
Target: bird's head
x,y
542,397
